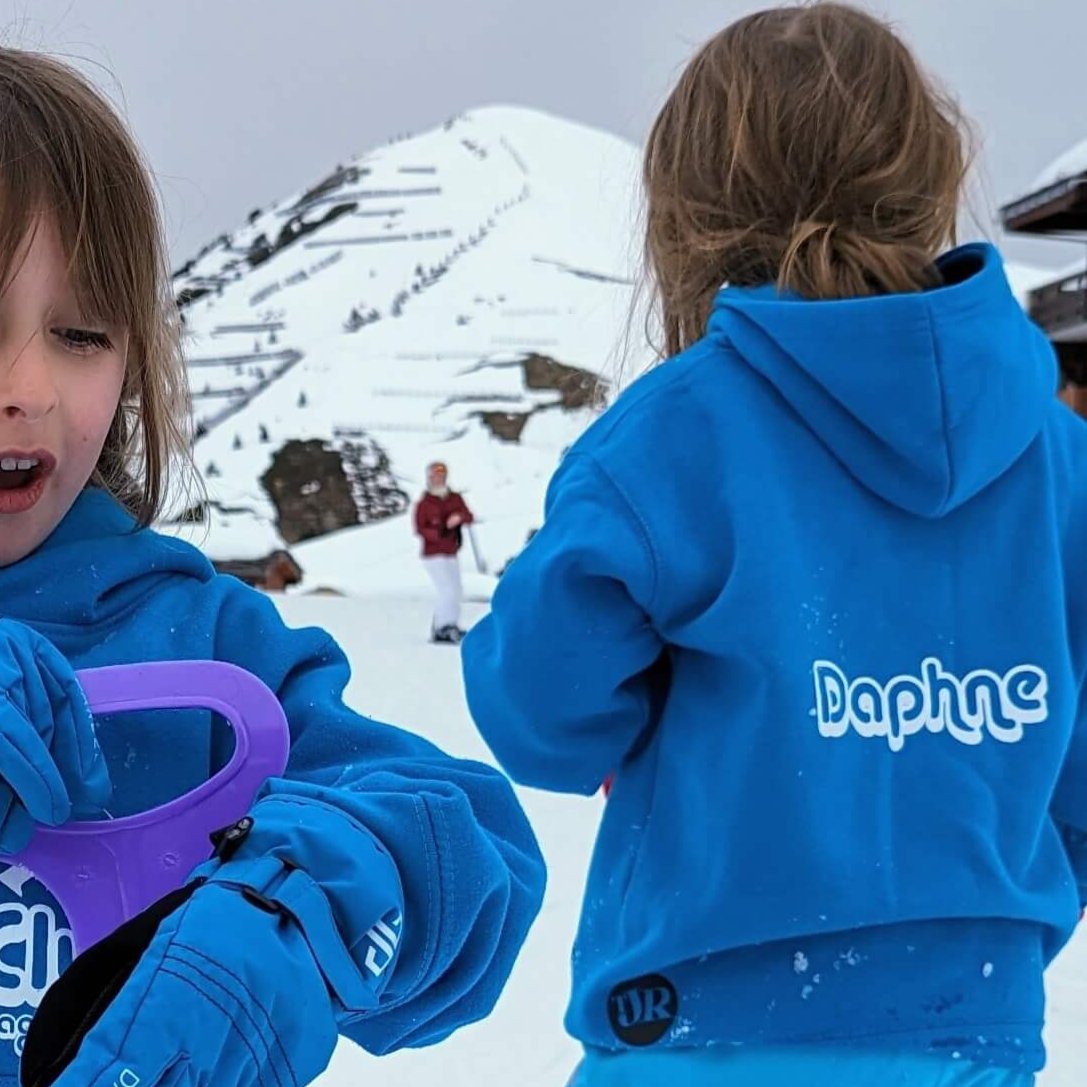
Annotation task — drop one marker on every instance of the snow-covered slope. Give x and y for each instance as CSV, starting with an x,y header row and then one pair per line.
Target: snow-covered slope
x,y
523,1043
418,276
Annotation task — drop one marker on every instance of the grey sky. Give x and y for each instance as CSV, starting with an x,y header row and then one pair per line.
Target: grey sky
x,y
237,102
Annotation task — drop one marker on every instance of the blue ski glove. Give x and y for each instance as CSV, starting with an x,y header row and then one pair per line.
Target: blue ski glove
x,y
226,995
240,979
51,766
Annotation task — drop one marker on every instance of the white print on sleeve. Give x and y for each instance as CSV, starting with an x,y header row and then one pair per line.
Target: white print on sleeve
x,y
966,708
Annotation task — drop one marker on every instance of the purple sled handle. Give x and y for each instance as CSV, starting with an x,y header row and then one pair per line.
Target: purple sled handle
x,y
104,872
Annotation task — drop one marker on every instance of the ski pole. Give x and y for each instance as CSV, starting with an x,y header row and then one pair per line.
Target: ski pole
x,y
481,565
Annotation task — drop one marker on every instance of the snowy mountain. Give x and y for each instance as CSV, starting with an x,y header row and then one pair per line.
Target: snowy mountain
x,y
448,296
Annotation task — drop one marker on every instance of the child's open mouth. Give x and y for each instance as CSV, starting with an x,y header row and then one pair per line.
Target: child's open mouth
x,y
22,479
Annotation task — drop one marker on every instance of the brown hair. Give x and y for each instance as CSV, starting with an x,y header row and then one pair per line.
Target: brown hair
x,y
804,147
65,154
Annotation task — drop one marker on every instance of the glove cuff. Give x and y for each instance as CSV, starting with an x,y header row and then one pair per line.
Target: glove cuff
x,y
348,903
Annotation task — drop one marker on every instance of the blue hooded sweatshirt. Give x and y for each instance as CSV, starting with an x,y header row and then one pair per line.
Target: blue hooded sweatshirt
x,y
814,590
380,819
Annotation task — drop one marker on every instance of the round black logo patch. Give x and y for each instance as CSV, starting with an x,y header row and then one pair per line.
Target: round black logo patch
x,y
642,1010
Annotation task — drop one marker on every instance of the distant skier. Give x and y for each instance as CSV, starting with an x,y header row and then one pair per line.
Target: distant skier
x,y
440,519
813,589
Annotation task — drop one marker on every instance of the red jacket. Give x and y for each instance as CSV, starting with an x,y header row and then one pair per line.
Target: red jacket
x,y
431,516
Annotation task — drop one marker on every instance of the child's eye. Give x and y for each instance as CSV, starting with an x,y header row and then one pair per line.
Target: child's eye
x,y
83,340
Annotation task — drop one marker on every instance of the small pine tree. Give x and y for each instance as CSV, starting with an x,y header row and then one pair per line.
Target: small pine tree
x,y
303,400
212,470
264,433
237,441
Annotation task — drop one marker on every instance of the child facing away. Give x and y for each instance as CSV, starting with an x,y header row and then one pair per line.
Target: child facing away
x,y
371,829
813,589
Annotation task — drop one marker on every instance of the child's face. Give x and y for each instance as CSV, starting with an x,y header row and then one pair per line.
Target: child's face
x,y
60,383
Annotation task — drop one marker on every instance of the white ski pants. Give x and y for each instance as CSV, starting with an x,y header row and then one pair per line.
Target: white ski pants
x,y
444,571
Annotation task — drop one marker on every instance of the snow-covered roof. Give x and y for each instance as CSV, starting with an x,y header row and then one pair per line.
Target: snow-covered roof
x,y
1069,164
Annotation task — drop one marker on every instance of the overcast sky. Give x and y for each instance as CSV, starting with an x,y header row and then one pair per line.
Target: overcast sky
x,y
238,102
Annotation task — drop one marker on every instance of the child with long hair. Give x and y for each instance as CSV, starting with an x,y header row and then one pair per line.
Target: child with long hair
x,y
813,590
379,889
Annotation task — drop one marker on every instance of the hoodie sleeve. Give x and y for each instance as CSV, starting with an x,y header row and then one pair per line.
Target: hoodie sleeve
x,y
560,676
1075,847
461,507
1068,808
423,874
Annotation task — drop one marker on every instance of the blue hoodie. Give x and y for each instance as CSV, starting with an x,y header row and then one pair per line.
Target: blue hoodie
x,y
465,875
815,591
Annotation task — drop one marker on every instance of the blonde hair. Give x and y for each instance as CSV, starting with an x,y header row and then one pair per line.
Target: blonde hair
x,y
803,146
65,154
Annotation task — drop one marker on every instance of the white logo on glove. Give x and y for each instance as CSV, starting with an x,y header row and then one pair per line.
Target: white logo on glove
x,y
384,940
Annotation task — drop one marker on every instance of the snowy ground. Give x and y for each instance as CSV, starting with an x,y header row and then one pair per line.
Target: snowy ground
x,y
400,678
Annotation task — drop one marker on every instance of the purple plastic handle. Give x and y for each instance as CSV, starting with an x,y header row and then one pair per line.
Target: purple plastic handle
x,y
104,872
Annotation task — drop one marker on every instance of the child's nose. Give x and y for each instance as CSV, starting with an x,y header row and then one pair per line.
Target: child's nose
x,y
27,388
